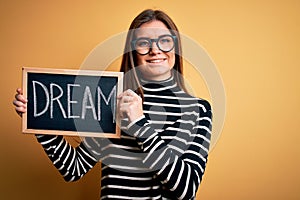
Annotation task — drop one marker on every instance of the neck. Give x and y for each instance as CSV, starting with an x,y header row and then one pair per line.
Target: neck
x,y
157,81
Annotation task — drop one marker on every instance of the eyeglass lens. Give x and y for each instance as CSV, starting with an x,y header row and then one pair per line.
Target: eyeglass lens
x,y
164,43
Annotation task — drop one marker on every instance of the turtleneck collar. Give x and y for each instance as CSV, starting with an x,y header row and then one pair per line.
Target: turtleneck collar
x,y
151,85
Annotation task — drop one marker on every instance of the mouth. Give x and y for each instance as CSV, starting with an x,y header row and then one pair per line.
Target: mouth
x,y
156,60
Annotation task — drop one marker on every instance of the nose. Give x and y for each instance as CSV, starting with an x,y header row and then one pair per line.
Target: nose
x,y
154,48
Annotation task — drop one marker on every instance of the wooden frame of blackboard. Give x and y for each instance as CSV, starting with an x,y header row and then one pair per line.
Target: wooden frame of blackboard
x,y
118,75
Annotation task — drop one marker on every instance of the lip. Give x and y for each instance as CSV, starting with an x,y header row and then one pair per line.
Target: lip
x,y
156,60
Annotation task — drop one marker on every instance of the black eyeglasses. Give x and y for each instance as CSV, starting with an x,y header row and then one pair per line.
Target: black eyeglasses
x,y
164,43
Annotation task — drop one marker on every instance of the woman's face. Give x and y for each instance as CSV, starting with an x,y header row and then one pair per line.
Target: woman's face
x,y
156,65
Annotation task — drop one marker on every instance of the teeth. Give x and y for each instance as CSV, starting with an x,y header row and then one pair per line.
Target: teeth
x,y
155,61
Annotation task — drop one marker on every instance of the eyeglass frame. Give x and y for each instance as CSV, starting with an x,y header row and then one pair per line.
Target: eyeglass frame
x,y
133,43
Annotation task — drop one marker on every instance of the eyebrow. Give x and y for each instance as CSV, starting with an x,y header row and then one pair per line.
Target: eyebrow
x,y
145,33
145,37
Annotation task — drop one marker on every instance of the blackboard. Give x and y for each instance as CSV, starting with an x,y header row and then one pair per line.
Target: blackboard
x,y
71,102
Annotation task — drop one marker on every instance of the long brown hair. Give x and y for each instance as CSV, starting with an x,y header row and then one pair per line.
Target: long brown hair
x,y
129,62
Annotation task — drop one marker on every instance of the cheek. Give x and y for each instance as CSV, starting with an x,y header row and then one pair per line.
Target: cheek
x,y
139,60
172,60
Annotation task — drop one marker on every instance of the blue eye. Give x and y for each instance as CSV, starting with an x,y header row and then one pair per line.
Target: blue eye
x,y
165,40
142,43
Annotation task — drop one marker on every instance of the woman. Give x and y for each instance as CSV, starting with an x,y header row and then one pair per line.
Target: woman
x,y
165,137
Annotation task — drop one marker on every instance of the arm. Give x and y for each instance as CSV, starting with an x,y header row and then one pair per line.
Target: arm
x,y
71,162
181,174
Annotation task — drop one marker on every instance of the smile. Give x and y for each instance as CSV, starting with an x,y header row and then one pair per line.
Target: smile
x,y
160,60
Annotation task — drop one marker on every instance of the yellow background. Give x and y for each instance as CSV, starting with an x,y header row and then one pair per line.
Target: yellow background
x,y
255,45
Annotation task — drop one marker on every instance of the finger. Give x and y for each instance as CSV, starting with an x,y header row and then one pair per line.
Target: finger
x,y
19,104
129,92
125,93
134,95
20,95
127,99
124,110
120,95
20,110
21,98
19,91
120,105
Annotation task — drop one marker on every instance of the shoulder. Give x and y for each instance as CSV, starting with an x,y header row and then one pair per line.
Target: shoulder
x,y
205,104
197,102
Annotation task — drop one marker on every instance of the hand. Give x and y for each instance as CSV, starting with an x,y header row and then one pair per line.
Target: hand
x,y
131,105
20,102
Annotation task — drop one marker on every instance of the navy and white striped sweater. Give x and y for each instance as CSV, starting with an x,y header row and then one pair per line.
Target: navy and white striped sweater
x,y
162,155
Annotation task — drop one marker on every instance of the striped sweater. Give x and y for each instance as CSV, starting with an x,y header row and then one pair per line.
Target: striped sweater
x,y
162,155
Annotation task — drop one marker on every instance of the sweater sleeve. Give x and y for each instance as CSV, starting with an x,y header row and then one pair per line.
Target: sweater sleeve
x,y
181,173
71,162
